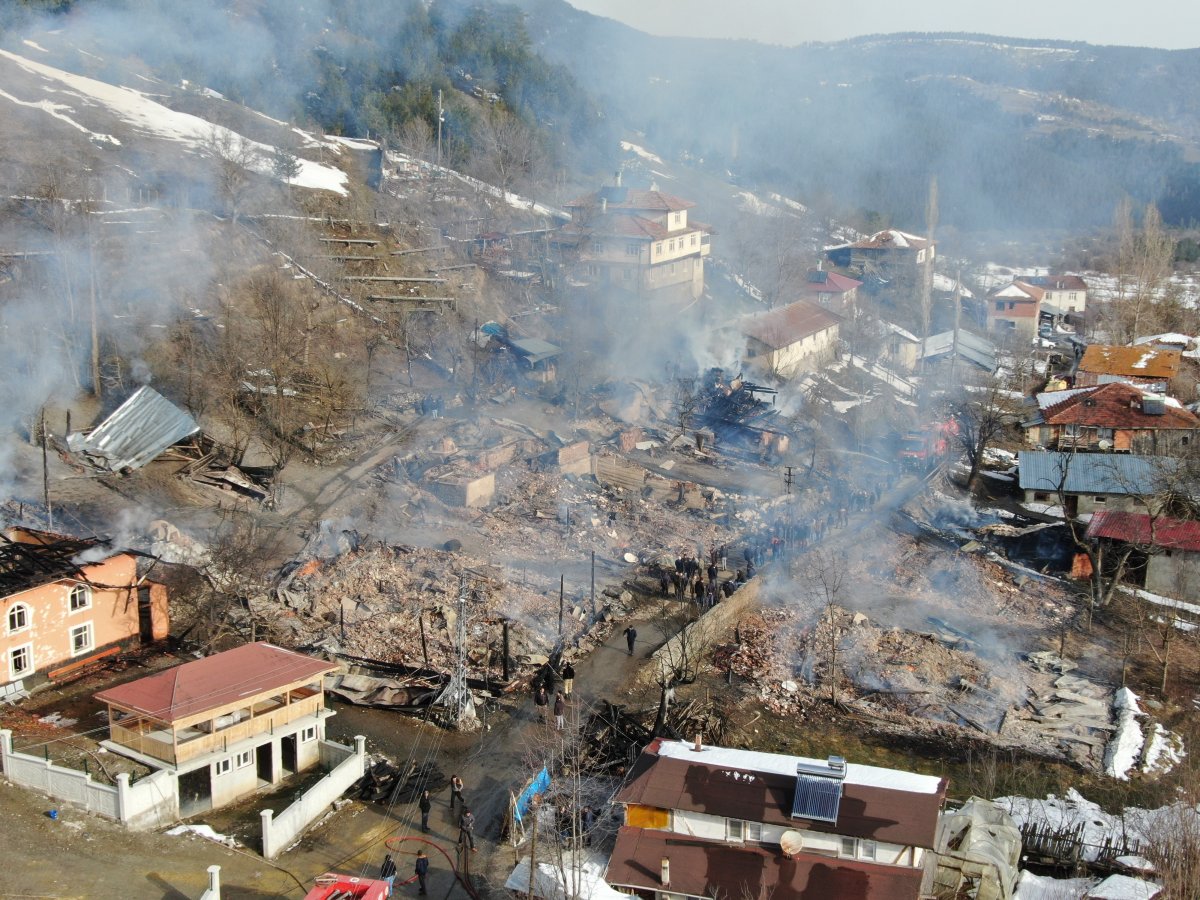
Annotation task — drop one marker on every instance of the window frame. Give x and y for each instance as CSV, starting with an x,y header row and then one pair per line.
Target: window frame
x,y
849,848
13,673
83,589
90,630
244,759
27,613
222,766
308,734
735,831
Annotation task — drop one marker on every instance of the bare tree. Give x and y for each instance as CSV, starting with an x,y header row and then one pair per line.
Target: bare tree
x,y
982,409
823,575
509,154
689,640
1144,263
235,159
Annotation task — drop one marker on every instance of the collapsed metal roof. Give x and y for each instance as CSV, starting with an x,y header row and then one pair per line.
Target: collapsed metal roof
x,y
137,431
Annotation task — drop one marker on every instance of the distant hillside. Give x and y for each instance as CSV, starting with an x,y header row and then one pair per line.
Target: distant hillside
x,y
350,67
1020,133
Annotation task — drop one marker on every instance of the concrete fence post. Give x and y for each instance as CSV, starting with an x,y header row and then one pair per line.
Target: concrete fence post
x,y
214,882
5,748
268,842
360,746
123,804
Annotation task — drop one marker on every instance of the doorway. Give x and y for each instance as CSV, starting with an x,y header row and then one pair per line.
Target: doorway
x,y
287,754
145,616
266,770
195,792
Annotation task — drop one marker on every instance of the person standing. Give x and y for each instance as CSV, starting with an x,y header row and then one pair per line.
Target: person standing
x,y
560,708
568,677
425,805
541,699
387,871
466,829
456,787
421,869
630,638
587,820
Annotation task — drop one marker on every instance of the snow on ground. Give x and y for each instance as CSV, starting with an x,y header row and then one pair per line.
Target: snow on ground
x,y
35,46
1168,602
794,205
1164,751
1043,887
645,154
1046,509
152,118
57,111
887,376
1125,745
516,201
1123,887
749,202
204,831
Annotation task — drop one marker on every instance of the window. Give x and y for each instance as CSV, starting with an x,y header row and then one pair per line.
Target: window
x,y
1099,500
1105,434
80,597
658,248
671,246
735,830
308,734
1041,496
920,256
849,845
754,831
18,618
866,849
244,758
20,661
223,766
693,240
627,274
672,268
675,218
633,250
999,306
597,247
82,639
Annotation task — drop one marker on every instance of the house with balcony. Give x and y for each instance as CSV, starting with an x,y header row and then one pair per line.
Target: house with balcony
x,y
1111,418
713,822
68,603
225,725
885,254
642,242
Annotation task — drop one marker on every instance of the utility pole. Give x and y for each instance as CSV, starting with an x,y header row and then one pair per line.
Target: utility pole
x,y
561,583
46,473
789,479
441,119
593,585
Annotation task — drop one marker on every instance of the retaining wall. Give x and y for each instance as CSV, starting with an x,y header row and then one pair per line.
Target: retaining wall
x,y
279,833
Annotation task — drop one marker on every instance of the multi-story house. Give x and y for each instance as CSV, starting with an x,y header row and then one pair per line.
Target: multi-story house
x,y
711,822
832,291
68,603
1015,309
1147,367
1111,418
1062,295
224,725
642,242
886,253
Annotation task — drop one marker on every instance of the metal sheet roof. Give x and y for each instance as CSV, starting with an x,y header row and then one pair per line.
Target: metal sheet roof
x,y
137,431
971,347
535,350
1093,473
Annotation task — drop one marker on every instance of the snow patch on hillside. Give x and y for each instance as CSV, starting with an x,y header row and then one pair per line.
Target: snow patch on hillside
x,y
151,118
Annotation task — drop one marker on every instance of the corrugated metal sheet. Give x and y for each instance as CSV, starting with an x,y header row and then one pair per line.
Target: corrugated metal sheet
x,y
138,430
1093,473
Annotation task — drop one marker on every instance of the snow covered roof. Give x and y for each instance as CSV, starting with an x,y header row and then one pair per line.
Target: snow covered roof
x,y
971,347
1122,887
1136,362
1168,338
944,283
780,764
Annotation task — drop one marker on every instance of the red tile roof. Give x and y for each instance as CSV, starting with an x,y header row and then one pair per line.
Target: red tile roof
x,y
1131,362
215,681
786,325
1140,528
829,283
1115,405
701,868
655,201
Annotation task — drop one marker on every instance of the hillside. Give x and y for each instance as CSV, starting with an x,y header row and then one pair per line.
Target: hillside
x,y
1019,133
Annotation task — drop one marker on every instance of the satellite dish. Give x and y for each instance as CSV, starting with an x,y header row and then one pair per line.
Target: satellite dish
x,y
1105,444
792,842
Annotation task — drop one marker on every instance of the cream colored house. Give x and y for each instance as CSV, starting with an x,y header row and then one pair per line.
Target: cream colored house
x,y
640,241
787,341
224,725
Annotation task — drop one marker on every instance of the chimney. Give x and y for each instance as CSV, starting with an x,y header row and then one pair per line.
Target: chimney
x,y
665,873
698,746
618,178
603,205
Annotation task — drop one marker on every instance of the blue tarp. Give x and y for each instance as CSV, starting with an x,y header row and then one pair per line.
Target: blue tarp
x,y
535,788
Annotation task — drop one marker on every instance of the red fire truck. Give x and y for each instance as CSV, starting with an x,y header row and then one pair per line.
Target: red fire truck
x,y
926,447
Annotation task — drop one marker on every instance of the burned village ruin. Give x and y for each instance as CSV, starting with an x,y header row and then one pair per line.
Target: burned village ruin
x,y
455,466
